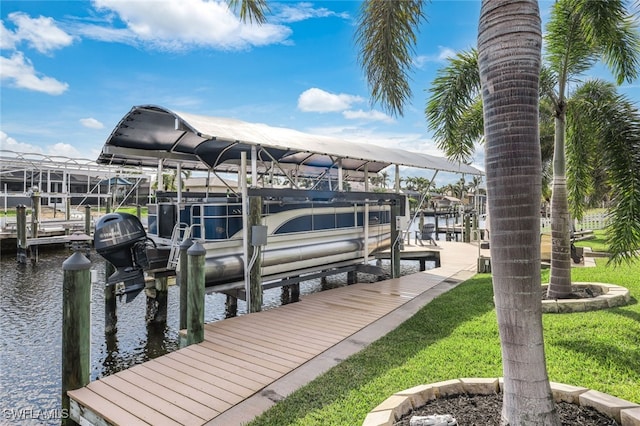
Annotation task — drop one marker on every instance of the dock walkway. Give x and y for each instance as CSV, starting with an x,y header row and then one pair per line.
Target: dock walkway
x,y
247,363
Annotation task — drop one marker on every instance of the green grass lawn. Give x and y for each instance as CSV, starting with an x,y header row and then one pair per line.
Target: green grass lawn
x,y
456,335
598,243
134,210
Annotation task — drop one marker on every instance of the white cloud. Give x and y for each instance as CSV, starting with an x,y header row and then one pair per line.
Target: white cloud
x,y
64,150
41,33
179,25
7,38
91,123
21,73
59,149
9,143
318,100
443,54
302,11
367,115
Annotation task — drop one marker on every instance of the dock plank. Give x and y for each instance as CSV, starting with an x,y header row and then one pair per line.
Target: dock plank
x,y
246,355
220,393
269,350
130,404
225,375
214,403
267,344
265,334
327,314
234,347
108,410
297,328
213,377
153,401
171,394
239,367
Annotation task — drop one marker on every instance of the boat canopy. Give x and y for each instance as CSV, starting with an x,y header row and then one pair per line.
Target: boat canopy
x,y
149,134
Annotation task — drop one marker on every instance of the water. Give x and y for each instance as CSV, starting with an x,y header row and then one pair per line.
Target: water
x,y
31,331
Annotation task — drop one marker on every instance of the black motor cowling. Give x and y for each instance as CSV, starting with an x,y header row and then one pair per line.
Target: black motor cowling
x,y
121,239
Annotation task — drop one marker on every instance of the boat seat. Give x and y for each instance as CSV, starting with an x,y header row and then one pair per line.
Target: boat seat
x,y
426,234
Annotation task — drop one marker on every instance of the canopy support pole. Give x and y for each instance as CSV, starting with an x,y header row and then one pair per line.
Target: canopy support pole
x,y
245,226
365,220
254,166
179,179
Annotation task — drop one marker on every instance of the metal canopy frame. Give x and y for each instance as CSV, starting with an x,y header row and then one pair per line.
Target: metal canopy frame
x,y
149,135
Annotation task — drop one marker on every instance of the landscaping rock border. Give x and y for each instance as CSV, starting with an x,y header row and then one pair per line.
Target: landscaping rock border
x,y
612,296
397,405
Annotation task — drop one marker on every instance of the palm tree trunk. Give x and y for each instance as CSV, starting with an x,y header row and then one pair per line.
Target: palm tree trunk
x,y
509,45
560,278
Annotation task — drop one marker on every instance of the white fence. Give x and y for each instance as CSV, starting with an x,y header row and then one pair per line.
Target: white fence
x,y
590,221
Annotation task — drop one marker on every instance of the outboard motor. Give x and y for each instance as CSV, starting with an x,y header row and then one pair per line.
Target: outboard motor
x,y
120,238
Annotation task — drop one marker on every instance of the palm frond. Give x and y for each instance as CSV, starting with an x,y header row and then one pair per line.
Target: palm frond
x,y
579,145
568,52
546,112
608,25
616,127
251,10
548,83
454,107
386,35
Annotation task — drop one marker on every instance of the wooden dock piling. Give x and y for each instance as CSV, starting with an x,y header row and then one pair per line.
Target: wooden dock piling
x,y
285,294
76,328
110,312
67,209
162,290
295,293
87,219
195,297
254,298
35,224
231,306
467,228
183,281
21,233
395,241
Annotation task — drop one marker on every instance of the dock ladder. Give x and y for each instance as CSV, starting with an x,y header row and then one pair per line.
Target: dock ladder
x,y
181,231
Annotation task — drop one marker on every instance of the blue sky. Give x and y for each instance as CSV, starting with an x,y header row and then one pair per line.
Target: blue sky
x,y
72,69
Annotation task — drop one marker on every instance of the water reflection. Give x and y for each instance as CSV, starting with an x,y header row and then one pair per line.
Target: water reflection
x,y
31,328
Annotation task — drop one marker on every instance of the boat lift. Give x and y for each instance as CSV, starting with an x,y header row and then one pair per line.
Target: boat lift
x,y
155,137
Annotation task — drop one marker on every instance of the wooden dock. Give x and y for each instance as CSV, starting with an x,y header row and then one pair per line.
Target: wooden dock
x,y
224,379
421,254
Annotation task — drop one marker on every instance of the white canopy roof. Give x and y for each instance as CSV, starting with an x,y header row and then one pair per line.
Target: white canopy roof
x,y
149,133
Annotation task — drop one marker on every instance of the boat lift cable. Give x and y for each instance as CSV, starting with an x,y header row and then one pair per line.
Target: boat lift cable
x,y
128,194
277,164
328,170
424,196
213,168
415,215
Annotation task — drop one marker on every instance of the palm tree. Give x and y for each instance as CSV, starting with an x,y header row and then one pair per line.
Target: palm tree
x,y
576,39
474,185
580,32
509,59
510,41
